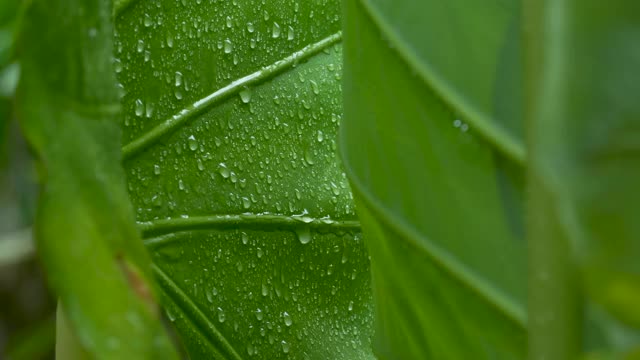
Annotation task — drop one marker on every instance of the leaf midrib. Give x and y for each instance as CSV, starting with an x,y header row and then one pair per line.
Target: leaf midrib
x,y
439,256
263,221
267,72
509,146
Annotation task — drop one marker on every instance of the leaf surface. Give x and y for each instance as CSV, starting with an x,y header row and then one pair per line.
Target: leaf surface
x,y
231,114
437,175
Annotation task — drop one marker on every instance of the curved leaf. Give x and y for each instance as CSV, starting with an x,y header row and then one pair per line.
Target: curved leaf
x,y
231,116
84,228
439,190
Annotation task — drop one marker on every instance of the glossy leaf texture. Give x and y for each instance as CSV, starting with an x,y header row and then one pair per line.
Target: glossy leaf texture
x,y
231,117
439,188
584,117
84,228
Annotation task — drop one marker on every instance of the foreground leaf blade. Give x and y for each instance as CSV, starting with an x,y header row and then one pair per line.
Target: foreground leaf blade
x,y
231,114
449,281
85,230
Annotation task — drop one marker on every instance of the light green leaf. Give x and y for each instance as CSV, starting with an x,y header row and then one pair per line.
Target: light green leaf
x,y
231,114
583,126
85,229
438,184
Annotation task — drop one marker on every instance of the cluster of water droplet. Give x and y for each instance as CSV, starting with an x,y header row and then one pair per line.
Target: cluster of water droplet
x,y
265,147
303,296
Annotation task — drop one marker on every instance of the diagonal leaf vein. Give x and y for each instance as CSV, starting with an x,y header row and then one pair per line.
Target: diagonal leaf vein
x,y
207,328
186,114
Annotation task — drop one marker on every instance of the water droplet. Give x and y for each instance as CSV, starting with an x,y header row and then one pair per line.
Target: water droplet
x,y
140,45
265,289
308,157
245,96
170,314
304,234
148,110
223,170
193,144
320,136
178,78
228,46
250,350
139,107
259,315
157,200
156,169
229,22
314,87
259,252
250,27
287,319
178,94
245,238
147,20
169,39
350,305
117,64
180,184
209,296
285,347
221,316
246,203
457,123
275,31
290,33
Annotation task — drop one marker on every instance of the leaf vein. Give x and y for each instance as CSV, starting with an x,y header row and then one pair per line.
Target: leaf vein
x,y
507,144
266,72
257,221
197,317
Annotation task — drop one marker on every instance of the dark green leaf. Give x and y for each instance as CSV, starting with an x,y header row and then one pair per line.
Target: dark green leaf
x,y
85,229
438,183
231,114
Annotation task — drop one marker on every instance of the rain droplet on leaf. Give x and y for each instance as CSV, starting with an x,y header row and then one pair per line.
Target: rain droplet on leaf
x,y
245,96
275,31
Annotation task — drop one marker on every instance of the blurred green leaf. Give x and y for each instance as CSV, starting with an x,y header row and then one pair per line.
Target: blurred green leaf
x,y
584,130
85,229
231,114
438,180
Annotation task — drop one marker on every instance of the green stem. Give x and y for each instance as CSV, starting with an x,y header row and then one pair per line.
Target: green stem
x,y
555,308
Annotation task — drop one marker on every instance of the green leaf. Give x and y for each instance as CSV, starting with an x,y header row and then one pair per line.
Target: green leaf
x,y
436,169
583,128
85,229
231,115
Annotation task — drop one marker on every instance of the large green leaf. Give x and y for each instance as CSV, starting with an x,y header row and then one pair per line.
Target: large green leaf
x,y
583,122
231,114
438,183
84,228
